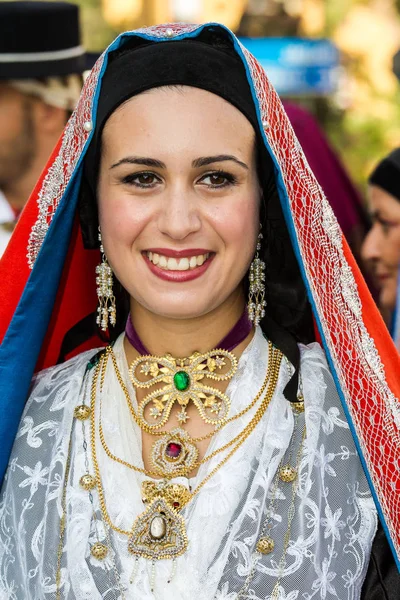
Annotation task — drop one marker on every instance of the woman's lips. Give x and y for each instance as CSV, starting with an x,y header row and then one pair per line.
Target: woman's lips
x,y
382,276
180,276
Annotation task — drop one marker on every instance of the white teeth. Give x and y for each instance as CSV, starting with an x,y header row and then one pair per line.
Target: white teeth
x,y
174,264
183,264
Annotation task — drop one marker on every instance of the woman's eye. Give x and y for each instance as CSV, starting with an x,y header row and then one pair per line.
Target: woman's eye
x,y
218,179
386,225
143,180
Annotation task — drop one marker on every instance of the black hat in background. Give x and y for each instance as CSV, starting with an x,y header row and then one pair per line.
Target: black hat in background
x,y
41,39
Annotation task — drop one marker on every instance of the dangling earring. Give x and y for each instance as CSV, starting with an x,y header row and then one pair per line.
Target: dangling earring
x,y
106,310
256,303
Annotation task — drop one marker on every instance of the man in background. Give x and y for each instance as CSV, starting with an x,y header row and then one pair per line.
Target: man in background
x,y
41,67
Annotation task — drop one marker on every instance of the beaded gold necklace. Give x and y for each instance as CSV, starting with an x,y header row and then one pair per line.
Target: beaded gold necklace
x,y
160,532
175,453
172,492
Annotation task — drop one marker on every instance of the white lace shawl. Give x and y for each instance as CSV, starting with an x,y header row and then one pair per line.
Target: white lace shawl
x,y
331,534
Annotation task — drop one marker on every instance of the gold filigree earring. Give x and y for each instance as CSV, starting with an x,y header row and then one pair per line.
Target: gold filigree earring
x,y
106,310
256,303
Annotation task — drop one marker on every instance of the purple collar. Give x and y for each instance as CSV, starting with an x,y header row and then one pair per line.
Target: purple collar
x,y
232,339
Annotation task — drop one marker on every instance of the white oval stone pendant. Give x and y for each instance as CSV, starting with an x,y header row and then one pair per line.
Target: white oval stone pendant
x,y
158,533
158,527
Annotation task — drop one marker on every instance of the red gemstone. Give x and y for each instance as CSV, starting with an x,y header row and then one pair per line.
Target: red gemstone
x,y
176,505
173,450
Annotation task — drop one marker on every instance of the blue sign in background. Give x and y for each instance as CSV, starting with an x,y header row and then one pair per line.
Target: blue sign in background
x,y
297,66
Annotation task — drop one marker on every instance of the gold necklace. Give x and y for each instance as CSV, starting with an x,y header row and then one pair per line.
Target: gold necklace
x,y
147,429
178,440
159,532
265,544
63,519
181,379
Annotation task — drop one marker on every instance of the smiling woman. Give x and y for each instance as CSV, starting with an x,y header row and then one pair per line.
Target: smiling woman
x,y
209,449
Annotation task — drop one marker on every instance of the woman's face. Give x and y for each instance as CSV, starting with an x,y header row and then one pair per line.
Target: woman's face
x,y
179,199
381,247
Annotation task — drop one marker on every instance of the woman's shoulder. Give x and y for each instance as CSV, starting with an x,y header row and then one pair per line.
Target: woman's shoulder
x,y
58,381
322,401
48,412
314,364
76,365
312,352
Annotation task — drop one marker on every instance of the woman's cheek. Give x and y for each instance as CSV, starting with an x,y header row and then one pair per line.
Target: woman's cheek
x,y
387,297
123,220
392,249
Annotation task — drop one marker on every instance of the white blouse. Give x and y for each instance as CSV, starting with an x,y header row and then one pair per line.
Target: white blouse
x,y
322,526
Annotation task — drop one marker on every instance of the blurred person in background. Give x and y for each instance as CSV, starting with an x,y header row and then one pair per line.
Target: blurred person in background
x,y
41,66
381,247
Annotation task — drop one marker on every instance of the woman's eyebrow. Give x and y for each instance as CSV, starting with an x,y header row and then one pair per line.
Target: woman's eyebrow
x,y
139,160
208,160
198,162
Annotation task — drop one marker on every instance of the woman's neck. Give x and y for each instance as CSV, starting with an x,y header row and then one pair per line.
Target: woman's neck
x,y
182,337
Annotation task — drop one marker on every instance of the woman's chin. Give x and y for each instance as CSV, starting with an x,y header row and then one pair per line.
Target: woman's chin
x,y
387,298
188,309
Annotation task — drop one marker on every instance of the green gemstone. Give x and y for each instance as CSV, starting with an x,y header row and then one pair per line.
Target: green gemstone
x,y
181,381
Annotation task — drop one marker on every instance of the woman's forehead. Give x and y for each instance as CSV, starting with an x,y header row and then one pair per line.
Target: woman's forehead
x,y
380,200
178,116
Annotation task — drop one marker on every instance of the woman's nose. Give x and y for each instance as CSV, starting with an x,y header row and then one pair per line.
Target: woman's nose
x,y
371,248
179,215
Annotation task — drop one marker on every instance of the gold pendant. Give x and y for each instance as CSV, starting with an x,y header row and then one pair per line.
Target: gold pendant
x,y
174,454
298,407
159,532
82,412
87,482
176,494
180,382
99,551
287,473
265,545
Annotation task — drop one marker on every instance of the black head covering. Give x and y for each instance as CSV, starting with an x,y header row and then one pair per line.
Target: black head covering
x,y
155,65
208,62
386,174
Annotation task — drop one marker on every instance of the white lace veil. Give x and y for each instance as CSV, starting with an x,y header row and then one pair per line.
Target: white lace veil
x,y
330,535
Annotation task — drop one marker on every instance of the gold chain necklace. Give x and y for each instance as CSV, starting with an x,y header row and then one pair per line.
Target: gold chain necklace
x,y
63,518
177,437
159,532
147,429
265,544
